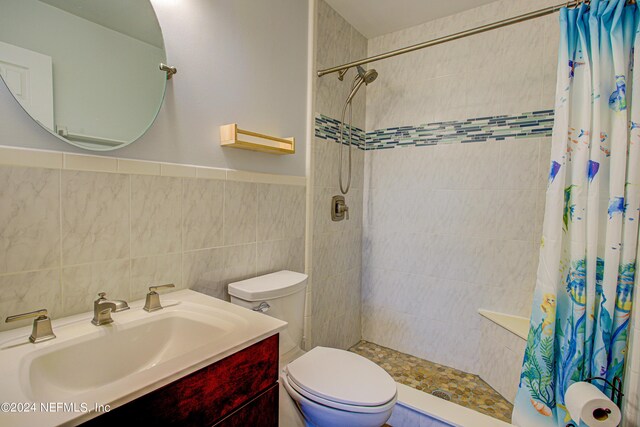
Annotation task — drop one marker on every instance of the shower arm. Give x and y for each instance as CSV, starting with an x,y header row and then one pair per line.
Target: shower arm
x,y
341,69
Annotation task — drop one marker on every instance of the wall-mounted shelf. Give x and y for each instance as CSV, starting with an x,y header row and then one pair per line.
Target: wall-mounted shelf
x,y
232,136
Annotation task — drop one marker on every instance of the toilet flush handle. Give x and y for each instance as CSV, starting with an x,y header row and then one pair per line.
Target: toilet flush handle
x,y
262,308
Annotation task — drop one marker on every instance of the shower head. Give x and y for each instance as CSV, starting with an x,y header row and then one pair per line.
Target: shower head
x,y
368,76
364,76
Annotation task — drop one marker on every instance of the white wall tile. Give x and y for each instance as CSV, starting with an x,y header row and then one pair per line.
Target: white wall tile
x,y
95,216
82,162
177,171
11,156
550,59
153,271
81,220
202,207
519,164
516,214
81,284
493,75
29,219
276,255
210,270
333,33
138,167
156,204
280,212
465,240
211,173
240,212
449,97
24,292
326,159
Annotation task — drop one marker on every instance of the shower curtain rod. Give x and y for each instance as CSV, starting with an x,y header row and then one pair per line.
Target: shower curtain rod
x,y
505,22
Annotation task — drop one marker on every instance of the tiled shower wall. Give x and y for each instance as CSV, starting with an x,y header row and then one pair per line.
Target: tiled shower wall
x,y
336,262
454,227
68,234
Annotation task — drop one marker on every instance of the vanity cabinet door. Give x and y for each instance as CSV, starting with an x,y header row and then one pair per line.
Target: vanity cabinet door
x,y
257,413
208,395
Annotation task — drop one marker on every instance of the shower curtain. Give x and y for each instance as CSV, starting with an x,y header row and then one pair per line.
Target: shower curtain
x,y
582,301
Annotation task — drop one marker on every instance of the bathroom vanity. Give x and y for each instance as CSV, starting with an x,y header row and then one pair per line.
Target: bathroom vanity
x,y
239,390
199,361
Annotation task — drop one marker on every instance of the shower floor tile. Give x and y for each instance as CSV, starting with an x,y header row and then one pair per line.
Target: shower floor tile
x,y
466,389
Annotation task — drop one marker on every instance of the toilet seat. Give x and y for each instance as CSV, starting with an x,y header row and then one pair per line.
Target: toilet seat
x,y
341,380
293,387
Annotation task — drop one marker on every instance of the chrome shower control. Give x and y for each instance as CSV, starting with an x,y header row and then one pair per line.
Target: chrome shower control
x,y
339,208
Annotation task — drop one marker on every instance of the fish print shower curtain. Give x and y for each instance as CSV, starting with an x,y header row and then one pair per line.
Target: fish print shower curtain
x,y
582,301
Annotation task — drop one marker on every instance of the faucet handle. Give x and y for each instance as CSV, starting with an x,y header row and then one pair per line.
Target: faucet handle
x,y
152,302
42,330
155,288
37,313
102,295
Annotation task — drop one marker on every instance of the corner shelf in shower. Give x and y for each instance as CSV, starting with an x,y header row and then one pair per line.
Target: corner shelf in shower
x,y
232,136
517,325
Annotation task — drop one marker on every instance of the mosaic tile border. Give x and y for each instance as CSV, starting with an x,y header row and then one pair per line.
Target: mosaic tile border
x,y
526,125
329,129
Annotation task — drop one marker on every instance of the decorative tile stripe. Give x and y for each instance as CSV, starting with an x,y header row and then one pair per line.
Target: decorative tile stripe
x,y
328,128
527,125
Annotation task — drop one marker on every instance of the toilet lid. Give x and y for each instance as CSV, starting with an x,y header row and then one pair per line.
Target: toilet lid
x,y
342,377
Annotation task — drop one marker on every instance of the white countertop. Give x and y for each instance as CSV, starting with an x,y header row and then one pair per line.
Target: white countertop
x,y
243,328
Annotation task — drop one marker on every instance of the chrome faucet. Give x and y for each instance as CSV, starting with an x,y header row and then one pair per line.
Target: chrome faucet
x,y
102,309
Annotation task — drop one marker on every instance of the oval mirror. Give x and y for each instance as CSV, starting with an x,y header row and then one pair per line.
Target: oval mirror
x,y
85,70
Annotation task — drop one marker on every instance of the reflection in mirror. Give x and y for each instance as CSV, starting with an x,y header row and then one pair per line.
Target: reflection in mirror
x,y
86,70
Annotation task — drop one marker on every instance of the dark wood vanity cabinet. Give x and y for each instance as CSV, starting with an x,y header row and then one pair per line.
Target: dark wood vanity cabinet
x,y
239,390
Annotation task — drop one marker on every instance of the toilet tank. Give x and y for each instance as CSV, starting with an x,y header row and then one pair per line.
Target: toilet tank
x,y
281,295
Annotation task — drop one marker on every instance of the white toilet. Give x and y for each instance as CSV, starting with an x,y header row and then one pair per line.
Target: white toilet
x,y
331,387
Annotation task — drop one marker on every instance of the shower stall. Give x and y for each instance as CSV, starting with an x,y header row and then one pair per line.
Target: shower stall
x,y
448,156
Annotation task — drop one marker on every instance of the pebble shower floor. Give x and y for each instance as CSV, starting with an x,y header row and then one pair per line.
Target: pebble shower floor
x,y
466,389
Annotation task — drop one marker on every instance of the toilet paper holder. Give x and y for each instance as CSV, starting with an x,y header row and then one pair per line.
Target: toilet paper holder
x,y
616,391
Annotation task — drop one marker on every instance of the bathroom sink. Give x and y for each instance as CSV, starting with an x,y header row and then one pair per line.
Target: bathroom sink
x,y
116,363
105,358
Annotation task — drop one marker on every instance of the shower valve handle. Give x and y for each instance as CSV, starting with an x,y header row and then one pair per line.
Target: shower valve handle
x,y
342,208
339,208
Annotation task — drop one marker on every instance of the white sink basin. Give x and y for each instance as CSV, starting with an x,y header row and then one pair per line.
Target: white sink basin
x,y
115,363
102,359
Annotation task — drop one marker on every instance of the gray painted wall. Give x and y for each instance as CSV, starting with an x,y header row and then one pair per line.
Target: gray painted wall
x,y
238,61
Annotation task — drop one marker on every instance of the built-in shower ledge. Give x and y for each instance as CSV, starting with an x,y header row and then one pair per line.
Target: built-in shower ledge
x,y
517,325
